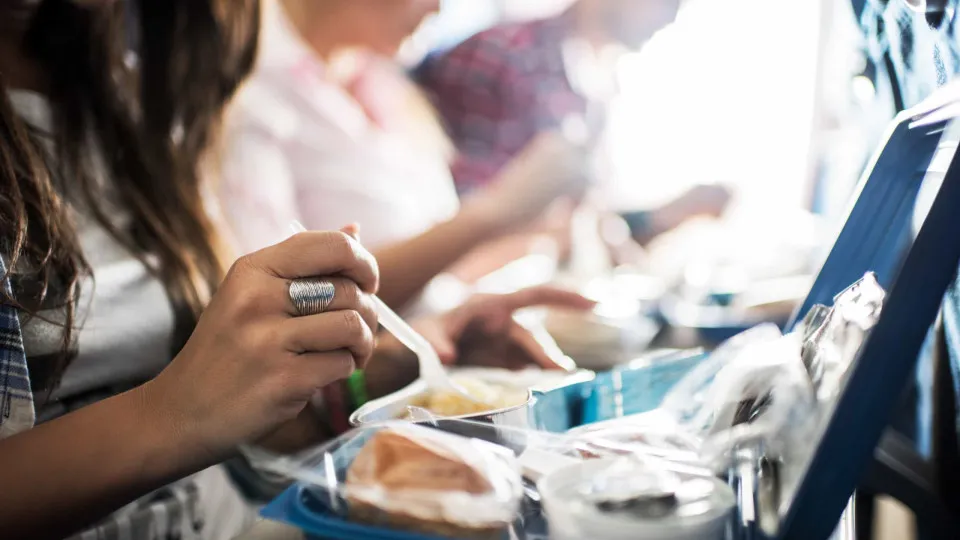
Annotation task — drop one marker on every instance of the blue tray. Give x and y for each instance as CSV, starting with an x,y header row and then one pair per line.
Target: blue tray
x,y
298,507
293,507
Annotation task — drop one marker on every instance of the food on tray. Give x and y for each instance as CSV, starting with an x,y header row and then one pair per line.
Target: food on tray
x,y
488,396
395,461
431,483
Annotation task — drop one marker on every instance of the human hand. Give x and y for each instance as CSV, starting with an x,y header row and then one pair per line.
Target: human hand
x,y
699,201
704,200
252,364
550,168
483,331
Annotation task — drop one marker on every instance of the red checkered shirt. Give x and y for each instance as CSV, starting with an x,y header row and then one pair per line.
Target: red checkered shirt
x,y
497,90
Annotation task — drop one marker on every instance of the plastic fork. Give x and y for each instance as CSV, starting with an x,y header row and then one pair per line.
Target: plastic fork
x,y
431,368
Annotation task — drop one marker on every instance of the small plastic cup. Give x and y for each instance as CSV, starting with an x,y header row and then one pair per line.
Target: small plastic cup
x,y
702,509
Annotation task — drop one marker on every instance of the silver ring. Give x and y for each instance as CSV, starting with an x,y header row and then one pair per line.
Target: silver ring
x,y
311,296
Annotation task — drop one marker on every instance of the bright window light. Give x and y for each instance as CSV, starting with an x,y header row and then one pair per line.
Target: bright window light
x,y
725,95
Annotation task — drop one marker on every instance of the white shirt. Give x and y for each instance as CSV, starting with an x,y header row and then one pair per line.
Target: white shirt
x,y
298,146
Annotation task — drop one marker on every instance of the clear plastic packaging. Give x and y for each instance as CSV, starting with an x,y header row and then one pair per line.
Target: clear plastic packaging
x,y
774,406
832,336
812,367
760,394
692,402
655,434
725,389
759,389
408,477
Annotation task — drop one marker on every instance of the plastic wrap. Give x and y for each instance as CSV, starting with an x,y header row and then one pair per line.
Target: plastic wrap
x,y
832,336
814,369
775,408
706,402
403,476
700,399
759,389
655,434
788,387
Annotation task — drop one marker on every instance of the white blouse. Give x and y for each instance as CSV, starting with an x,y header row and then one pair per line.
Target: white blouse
x,y
299,146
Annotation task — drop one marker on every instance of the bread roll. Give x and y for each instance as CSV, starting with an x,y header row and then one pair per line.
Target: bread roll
x,y
403,481
395,462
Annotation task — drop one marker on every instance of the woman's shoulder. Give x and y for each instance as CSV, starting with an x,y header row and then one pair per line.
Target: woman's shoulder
x,y
263,107
288,113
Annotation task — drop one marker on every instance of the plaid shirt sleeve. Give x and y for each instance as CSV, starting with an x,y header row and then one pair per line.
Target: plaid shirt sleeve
x,y
16,399
479,91
497,91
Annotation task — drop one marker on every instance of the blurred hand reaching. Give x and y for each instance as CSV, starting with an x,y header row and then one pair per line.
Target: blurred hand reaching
x,y
704,200
483,331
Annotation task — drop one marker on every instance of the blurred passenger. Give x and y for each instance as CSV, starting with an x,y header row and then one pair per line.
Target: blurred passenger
x,y
499,89
329,131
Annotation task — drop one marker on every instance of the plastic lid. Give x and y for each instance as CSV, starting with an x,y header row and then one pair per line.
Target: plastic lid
x,y
622,487
628,498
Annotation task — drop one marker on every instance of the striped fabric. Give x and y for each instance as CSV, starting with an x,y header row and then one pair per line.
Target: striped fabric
x,y
205,506
16,399
497,90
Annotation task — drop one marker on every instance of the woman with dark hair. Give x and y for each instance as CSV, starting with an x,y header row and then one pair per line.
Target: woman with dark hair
x,y
117,397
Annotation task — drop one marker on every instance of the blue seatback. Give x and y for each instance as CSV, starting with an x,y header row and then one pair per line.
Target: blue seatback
x,y
878,236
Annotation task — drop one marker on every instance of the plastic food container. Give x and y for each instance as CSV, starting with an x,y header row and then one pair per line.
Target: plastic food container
x,y
322,505
617,330
409,478
628,499
607,337
407,404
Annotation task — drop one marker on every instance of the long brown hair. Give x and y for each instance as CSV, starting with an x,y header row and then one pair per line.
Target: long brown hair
x,y
145,83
